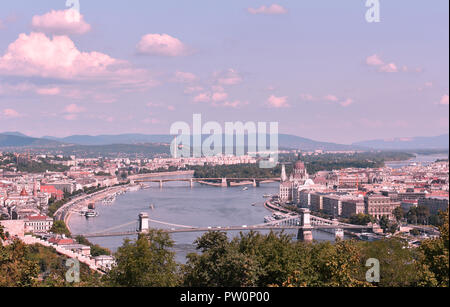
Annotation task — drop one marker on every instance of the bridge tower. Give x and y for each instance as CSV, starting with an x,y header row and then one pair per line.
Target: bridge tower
x,y
305,233
224,183
143,222
338,232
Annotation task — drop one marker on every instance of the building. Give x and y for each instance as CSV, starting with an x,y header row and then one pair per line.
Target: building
x,y
352,207
38,223
316,201
378,206
434,203
298,180
332,205
54,192
104,262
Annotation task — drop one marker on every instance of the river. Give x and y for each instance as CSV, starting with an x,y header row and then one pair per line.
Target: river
x,y
177,203
419,159
200,206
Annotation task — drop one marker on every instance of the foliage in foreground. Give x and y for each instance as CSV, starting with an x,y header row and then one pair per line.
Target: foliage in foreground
x,y
251,259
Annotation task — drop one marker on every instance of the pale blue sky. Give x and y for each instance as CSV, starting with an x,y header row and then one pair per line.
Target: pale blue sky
x,y
312,61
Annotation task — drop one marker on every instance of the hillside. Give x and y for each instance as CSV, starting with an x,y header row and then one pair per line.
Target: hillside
x,y
436,142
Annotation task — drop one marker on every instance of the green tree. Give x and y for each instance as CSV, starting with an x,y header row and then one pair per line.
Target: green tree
x,y
361,219
435,257
96,250
398,267
398,213
2,233
145,262
59,227
15,269
330,265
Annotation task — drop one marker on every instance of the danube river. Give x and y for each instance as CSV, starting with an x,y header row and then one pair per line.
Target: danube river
x,y
200,206
177,203
418,159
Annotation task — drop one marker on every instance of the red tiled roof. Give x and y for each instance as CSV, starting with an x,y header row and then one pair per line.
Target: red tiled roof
x,y
37,217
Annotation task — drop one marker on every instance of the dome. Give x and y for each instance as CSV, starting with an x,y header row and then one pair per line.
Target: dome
x,y
299,165
309,182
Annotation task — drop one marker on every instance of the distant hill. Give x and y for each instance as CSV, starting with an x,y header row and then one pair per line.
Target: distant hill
x,y
436,142
112,139
284,140
16,140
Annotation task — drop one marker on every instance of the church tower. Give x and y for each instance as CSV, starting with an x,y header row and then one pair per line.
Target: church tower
x,y
283,173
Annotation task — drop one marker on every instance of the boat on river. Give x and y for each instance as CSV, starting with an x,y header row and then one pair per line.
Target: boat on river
x,y
91,213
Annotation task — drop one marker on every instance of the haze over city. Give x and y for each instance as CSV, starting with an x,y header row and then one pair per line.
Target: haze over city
x,y
317,67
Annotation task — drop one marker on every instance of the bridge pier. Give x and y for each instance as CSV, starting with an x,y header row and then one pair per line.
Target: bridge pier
x,y
254,183
338,232
160,184
305,233
224,183
192,183
143,222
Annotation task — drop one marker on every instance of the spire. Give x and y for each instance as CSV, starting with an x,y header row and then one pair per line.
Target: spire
x,y
283,173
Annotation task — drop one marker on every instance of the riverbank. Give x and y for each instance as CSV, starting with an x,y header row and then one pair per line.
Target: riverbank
x,y
100,196
80,202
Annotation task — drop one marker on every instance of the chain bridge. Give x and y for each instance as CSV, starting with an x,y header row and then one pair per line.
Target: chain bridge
x,y
303,222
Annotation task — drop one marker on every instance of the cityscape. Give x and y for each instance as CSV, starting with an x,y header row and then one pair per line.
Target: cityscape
x,y
234,155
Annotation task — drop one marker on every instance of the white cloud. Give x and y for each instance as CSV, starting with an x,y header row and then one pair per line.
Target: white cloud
x,y
36,55
61,22
202,97
185,77
228,77
219,96
73,108
10,113
444,100
391,67
161,45
235,104
274,9
49,91
331,98
347,102
278,102
374,60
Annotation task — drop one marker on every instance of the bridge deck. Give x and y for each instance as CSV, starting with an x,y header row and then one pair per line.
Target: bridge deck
x,y
231,228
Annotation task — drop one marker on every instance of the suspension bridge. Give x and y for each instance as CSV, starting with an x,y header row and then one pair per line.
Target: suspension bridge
x,y
303,222
222,182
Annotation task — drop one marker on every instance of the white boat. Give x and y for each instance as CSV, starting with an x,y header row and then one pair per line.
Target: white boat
x,y
91,213
245,189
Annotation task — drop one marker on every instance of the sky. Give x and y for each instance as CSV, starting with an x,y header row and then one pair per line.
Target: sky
x,y
317,67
